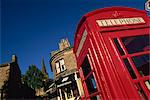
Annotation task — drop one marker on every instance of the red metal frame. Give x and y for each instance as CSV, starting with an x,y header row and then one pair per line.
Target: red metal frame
x,y
139,79
112,78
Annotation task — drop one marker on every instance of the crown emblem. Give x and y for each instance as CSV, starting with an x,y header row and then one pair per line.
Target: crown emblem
x,y
116,14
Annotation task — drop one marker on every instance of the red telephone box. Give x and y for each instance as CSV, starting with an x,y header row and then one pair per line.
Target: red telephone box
x,y
112,51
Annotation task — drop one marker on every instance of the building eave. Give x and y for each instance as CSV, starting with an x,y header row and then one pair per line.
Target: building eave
x,y
5,64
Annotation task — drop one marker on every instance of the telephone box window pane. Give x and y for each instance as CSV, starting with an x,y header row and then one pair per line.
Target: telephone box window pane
x,y
118,46
136,43
86,68
142,64
141,92
147,83
132,74
91,84
95,97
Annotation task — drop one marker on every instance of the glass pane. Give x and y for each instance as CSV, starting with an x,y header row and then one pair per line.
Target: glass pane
x,y
63,68
91,84
86,68
62,64
118,46
140,91
57,67
95,97
136,43
142,64
147,83
129,68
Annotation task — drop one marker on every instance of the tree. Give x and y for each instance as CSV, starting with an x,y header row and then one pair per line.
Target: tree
x,y
33,77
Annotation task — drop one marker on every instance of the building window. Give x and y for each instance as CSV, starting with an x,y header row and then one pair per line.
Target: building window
x,y
57,67
60,66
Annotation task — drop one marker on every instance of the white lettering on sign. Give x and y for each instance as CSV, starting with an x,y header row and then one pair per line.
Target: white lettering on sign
x,y
121,21
83,38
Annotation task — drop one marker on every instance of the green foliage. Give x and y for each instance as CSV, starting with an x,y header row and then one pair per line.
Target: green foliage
x,y
33,77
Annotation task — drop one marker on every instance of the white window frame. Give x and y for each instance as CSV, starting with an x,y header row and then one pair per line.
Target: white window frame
x,y
60,66
57,66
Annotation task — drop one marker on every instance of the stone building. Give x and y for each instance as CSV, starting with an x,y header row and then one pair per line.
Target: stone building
x,y
63,65
10,79
10,82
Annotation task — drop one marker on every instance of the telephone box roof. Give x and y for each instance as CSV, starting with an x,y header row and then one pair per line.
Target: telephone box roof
x,y
115,8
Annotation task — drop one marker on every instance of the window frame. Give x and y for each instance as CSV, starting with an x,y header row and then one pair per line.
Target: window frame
x,y
90,74
60,66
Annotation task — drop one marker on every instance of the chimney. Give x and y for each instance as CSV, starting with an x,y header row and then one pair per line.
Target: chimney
x,y
14,58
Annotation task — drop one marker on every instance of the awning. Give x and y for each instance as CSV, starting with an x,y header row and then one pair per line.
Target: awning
x,y
66,83
64,79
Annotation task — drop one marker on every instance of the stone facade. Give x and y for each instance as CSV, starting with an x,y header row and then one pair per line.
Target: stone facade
x,y
69,60
64,67
10,81
4,74
40,92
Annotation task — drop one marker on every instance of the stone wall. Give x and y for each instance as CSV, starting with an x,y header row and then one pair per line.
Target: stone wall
x,y
11,86
4,75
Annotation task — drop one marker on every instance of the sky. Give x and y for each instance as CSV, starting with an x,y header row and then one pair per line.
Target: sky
x,y
31,29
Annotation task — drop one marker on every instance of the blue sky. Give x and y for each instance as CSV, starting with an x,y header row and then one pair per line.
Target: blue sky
x,y
31,29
